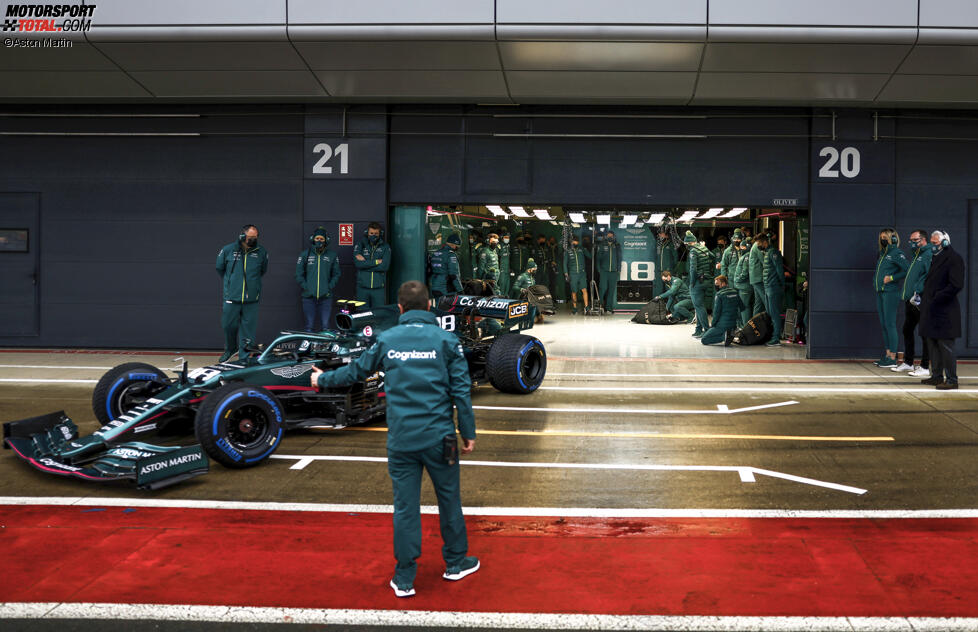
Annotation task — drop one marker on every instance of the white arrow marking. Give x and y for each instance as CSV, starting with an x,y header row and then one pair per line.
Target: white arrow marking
x,y
722,409
746,472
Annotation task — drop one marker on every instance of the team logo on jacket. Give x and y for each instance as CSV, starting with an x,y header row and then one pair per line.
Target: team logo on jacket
x,y
292,371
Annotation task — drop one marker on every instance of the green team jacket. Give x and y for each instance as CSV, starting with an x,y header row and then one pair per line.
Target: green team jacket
x,y
756,265
607,257
667,256
519,254
488,264
728,262
676,289
425,372
696,253
575,260
741,277
503,254
773,268
372,272
317,273
242,270
892,261
443,271
523,281
917,272
726,308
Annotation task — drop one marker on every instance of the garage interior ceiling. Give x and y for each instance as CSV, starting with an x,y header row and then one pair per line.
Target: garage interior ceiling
x,y
621,217
656,52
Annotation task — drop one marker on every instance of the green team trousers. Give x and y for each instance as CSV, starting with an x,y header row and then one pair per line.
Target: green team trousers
x,y
240,324
372,297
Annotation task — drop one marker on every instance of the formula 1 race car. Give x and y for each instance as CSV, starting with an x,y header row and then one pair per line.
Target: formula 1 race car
x,y
240,410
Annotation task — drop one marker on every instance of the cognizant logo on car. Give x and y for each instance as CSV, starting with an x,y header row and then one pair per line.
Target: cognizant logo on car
x,y
412,355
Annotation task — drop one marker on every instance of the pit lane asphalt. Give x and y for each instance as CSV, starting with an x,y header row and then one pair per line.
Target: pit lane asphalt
x,y
600,434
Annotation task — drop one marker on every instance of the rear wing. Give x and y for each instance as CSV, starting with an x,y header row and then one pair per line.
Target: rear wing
x,y
510,312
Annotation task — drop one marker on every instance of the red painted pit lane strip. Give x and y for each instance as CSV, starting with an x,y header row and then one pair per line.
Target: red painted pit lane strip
x,y
655,566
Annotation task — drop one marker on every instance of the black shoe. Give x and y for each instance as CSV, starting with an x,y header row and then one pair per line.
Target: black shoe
x,y
947,386
728,340
933,381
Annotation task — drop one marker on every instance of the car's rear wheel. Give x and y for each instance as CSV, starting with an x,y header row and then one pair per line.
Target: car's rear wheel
x,y
125,387
516,363
240,425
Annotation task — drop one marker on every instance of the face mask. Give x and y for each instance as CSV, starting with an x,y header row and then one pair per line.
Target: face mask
x,y
505,240
493,242
884,242
575,244
374,239
716,286
936,248
251,242
320,245
611,238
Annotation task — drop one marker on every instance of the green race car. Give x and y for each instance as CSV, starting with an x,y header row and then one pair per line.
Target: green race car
x,y
239,411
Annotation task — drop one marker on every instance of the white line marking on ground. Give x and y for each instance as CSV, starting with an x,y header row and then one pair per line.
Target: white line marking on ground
x,y
540,512
753,389
46,380
445,619
721,409
746,376
740,469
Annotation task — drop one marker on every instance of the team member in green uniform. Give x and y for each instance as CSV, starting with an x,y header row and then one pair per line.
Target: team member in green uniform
x,y
742,281
755,268
502,289
425,373
913,289
555,274
665,259
575,264
443,268
526,279
678,304
726,310
891,267
728,259
540,253
773,273
488,269
317,272
701,266
372,258
608,264
241,265
519,252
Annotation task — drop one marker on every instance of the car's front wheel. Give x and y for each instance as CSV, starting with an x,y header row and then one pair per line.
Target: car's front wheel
x,y
240,425
125,387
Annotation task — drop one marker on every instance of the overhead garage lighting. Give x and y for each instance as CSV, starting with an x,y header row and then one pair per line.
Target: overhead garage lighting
x,y
687,217
604,219
577,218
734,212
519,211
713,212
497,210
655,218
628,220
542,213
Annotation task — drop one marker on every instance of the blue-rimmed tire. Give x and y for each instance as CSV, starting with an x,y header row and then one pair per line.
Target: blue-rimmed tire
x,y
240,425
125,387
516,363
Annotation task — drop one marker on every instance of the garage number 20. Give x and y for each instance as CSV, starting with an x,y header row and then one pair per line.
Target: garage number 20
x,y
845,162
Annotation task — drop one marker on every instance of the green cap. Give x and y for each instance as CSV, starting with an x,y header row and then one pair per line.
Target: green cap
x,y
530,263
738,235
690,238
454,239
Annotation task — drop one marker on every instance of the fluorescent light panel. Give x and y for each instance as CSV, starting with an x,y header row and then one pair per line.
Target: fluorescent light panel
x,y
577,218
628,220
497,210
688,216
713,212
542,213
604,219
518,211
734,212
655,218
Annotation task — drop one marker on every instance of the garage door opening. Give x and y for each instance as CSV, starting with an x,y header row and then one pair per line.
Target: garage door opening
x,y
544,232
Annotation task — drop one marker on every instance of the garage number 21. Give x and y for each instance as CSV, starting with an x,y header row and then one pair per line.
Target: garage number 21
x,y
341,151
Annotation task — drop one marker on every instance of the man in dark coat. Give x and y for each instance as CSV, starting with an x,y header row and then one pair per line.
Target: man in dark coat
x,y
940,313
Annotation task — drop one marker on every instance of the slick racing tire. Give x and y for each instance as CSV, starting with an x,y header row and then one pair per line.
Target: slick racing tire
x,y
516,363
240,425
124,387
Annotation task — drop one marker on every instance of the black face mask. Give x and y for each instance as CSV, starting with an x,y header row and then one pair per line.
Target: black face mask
x,y
251,242
320,245
716,286
574,244
884,242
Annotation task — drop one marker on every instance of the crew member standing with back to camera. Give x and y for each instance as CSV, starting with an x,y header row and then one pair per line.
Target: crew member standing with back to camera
x,y
317,272
425,372
372,258
241,266
701,266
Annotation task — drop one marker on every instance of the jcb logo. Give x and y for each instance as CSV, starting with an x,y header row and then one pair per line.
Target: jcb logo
x,y
519,309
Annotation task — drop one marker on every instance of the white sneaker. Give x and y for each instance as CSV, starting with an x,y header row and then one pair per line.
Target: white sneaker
x,y
920,372
902,367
